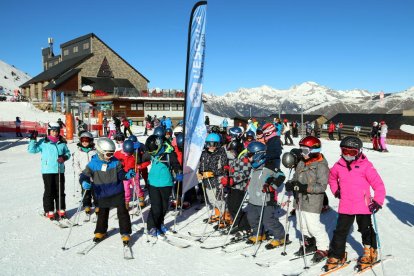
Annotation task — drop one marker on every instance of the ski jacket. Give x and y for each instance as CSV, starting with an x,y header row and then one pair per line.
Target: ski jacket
x,y
177,151
258,178
354,183
225,123
314,173
374,132
50,153
286,128
273,152
213,162
331,127
168,123
240,168
125,123
107,181
160,174
384,130
127,161
81,159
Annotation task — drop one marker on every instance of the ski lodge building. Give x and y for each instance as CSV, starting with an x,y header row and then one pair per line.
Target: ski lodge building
x,y
92,76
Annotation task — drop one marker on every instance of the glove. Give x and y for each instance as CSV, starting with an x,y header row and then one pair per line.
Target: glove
x,y
62,159
289,186
227,181
267,188
374,206
86,185
228,168
33,135
300,188
338,194
130,174
179,177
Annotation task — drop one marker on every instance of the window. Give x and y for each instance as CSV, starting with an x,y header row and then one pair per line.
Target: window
x,y
137,106
122,106
157,107
86,45
177,107
50,64
75,49
66,52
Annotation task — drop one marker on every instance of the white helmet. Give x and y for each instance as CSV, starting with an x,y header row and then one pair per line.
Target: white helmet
x,y
375,124
178,129
86,134
103,146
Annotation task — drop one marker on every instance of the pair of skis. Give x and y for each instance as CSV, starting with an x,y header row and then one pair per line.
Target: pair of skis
x,y
127,250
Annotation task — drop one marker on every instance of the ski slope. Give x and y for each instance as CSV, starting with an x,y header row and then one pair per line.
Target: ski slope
x,y
31,245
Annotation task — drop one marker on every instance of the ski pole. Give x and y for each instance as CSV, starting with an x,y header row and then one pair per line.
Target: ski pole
x,y
71,225
208,206
142,216
287,224
176,205
135,184
59,196
211,214
378,242
258,227
301,231
74,177
234,220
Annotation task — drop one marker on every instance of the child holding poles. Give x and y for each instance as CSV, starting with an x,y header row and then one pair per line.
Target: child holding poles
x,y
309,183
350,180
262,198
105,174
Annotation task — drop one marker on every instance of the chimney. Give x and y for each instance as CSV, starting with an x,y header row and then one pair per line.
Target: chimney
x,y
50,41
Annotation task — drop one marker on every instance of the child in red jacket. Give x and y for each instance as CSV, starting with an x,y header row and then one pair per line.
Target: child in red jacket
x,y
127,159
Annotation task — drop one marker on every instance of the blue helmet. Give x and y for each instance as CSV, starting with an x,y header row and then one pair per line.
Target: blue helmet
x,y
133,138
128,146
180,141
257,150
235,132
213,140
159,131
250,133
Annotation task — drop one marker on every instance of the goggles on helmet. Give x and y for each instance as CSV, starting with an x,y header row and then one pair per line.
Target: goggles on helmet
x,y
249,154
109,153
349,151
212,144
85,139
305,150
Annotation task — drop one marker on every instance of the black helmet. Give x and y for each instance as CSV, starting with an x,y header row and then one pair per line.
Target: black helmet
x,y
289,160
128,146
154,144
119,137
215,129
351,142
180,141
236,146
159,131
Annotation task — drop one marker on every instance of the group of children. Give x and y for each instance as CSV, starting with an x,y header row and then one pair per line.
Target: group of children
x,y
231,170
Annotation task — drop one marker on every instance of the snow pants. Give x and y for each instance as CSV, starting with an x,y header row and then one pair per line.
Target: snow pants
x,y
128,184
288,138
214,193
337,246
160,200
52,200
383,143
270,221
234,200
87,199
312,227
123,220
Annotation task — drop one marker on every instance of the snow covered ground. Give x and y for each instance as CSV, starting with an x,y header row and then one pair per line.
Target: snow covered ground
x,y
31,245
27,112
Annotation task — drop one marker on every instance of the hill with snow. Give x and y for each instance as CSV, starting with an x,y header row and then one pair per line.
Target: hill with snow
x,y
11,78
313,98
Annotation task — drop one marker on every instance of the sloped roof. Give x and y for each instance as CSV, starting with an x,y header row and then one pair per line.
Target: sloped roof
x,y
394,121
64,77
56,71
106,84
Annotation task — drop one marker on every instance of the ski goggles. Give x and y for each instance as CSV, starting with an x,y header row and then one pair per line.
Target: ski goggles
x,y
349,151
249,154
85,139
307,151
212,144
109,153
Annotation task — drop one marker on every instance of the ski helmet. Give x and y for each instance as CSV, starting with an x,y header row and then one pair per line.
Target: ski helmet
x,y
121,137
259,133
351,148
250,134
257,151
213,140
215,129
235,132
375,124
168,131
86,136
159,131
133,138
154,144
268,129
180,141
235,146
128,146
288,160
105,147
53,126
177,130
310,146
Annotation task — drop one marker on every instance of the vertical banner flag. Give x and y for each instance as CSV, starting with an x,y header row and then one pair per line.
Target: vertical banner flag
x,y
54,100
195,131
62,102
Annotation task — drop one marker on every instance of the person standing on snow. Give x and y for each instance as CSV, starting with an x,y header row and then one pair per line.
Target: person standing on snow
x,y
331,130
309,183
351,180
55,152
383,136
273,146
18,124
286,132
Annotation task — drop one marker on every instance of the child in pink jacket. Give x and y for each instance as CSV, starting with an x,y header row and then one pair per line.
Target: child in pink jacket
x,y
350,180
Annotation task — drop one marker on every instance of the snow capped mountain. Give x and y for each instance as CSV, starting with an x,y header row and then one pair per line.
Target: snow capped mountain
x,y
312,97
11,78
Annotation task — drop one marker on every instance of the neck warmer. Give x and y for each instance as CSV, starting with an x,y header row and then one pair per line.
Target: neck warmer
x,y
53,139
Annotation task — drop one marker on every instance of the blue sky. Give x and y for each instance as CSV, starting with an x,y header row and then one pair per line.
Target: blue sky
x,y
342,44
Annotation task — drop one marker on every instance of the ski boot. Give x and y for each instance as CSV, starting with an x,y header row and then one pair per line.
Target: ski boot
x,y
240,235
62,214
310,246
333,263
96,210
319,256
163,229
369,257
50,215
99,237
87,210
254,239
213,218
275,244
125,240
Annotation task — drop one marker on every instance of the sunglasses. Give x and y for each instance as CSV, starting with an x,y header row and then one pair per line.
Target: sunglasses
x,y
349,151
109,154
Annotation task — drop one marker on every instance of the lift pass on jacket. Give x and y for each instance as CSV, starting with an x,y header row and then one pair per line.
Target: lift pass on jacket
x,y
104,167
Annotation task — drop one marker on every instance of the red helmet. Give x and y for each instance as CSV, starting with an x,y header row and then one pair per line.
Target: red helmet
x,y
310,142
382,122
285,120
268,129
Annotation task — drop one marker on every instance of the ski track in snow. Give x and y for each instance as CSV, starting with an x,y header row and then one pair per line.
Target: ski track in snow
x,y
31,245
